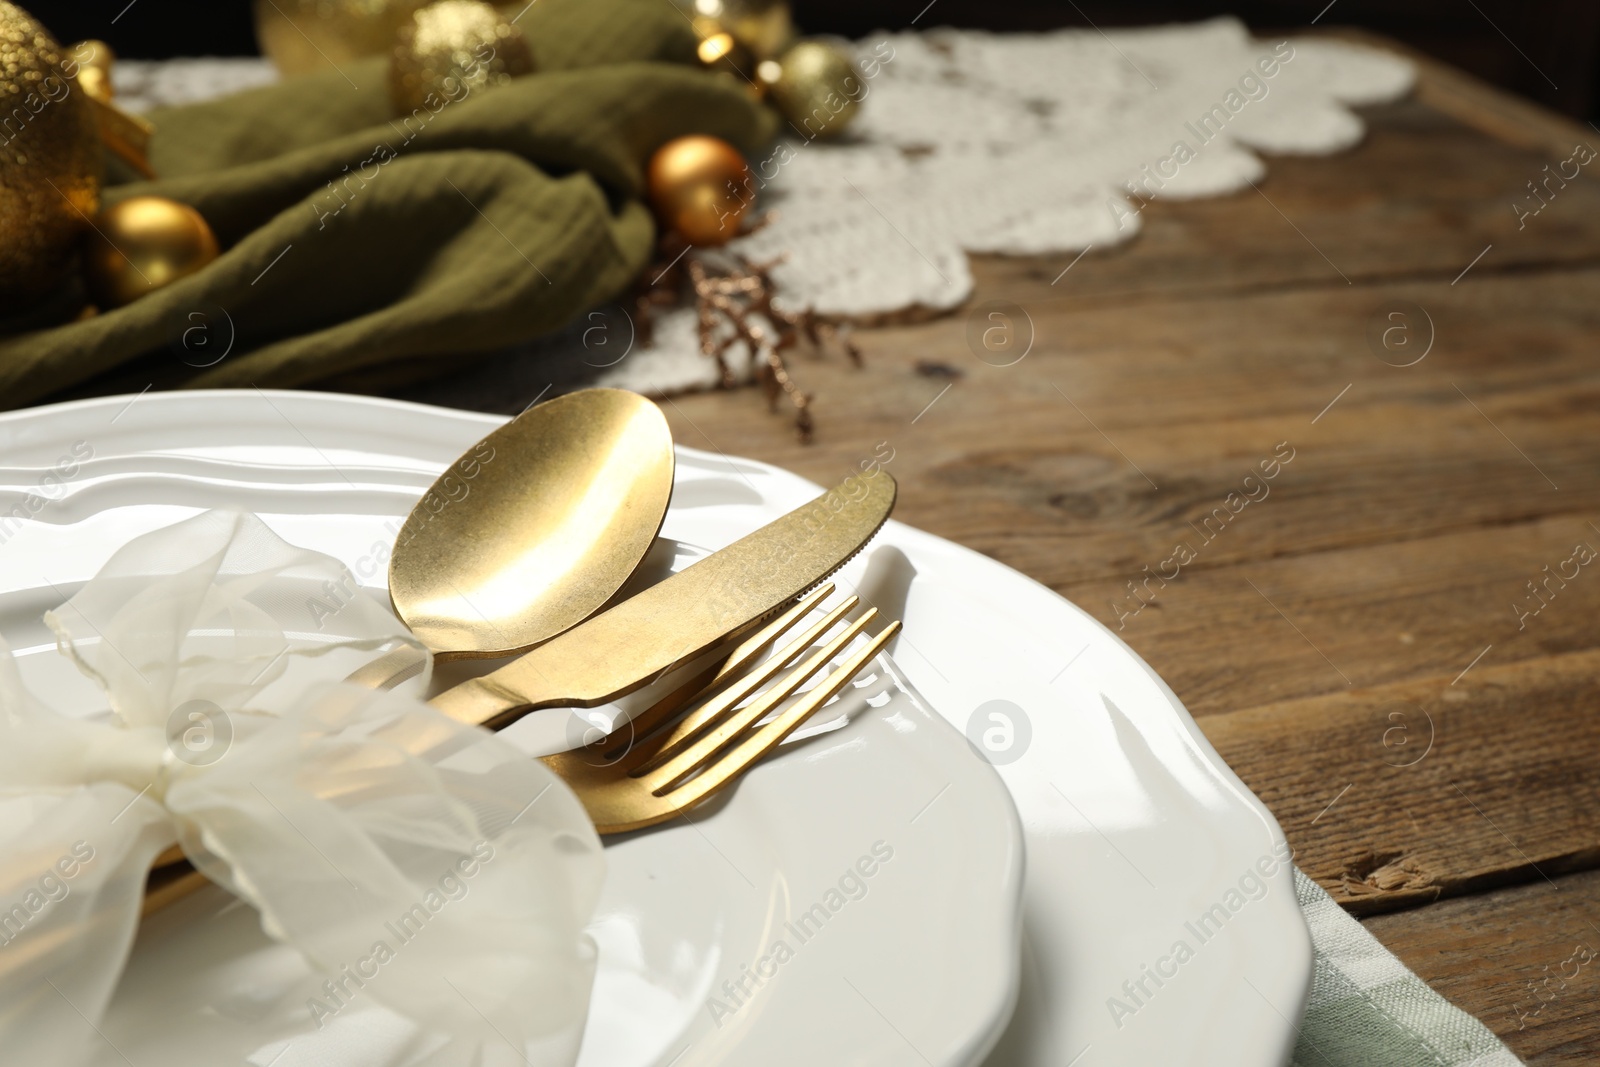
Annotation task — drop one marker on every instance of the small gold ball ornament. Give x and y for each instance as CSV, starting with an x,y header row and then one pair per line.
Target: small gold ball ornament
x,y
451,50
700,188
50,163
818,88
142,244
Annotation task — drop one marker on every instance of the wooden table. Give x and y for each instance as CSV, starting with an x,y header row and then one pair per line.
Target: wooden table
x,y
1360,641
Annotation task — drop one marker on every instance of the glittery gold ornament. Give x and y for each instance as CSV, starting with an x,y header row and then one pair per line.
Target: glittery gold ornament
x,y
50,165
302,36
765,27
451,50
700,188
818,88
142,244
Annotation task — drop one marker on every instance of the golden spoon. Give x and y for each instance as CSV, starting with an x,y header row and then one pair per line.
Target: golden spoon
x,y
529,533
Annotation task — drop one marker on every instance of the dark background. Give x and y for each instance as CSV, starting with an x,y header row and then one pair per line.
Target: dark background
x,y
1544,50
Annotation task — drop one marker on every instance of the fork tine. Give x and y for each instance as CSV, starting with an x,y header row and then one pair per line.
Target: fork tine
x,y
763,639
724,703
649,720
659,775
721,772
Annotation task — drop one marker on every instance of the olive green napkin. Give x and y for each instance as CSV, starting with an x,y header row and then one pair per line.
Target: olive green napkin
x,y
442,235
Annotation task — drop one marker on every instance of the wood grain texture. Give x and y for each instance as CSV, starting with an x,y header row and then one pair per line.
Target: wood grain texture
x,y
1401,794
1515,958
1090,457
1345,619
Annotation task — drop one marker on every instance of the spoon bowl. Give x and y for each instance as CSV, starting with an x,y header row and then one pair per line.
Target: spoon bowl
x,y
531,531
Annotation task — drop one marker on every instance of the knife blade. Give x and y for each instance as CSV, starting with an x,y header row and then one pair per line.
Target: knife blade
x,y
676,620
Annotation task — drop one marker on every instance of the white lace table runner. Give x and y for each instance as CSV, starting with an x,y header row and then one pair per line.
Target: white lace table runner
x,y
973,142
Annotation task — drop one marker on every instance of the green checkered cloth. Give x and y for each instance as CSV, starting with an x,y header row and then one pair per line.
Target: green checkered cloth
x,y
1368,1010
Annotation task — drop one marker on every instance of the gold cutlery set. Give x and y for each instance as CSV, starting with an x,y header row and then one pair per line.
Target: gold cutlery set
x,y
520,549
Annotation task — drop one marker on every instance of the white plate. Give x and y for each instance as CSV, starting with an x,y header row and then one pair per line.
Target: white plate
x,y
1135,829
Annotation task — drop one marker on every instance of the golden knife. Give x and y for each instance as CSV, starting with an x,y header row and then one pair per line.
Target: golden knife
x,y
675,621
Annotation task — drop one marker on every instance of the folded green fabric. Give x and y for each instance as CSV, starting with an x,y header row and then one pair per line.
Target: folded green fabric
x,y
442,235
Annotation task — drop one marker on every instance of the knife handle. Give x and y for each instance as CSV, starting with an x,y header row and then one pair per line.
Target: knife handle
x,y
481,702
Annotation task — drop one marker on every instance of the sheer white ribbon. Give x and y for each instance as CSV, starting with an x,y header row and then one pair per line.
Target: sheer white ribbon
x,y
413,860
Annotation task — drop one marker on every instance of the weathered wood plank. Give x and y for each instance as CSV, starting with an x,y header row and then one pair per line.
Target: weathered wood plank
x,y
1401,794
1007,463
1526,961
1335,621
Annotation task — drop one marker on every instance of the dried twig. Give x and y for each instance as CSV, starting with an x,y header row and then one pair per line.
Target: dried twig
x,y
734,306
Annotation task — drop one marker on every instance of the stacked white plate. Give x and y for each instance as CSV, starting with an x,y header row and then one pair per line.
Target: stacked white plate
x,y
1009,844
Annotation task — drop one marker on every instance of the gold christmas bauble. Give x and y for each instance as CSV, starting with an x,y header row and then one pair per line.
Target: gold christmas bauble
x,y
765,27
142,244
818,88
302,36
700,188
50,164
454,49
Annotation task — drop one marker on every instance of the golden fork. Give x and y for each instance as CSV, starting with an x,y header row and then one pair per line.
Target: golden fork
x,y
670,761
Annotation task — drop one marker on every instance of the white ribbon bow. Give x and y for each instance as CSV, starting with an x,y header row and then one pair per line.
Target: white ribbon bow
x,y
412,859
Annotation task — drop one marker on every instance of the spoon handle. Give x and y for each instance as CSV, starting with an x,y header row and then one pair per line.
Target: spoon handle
x,y
389,670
